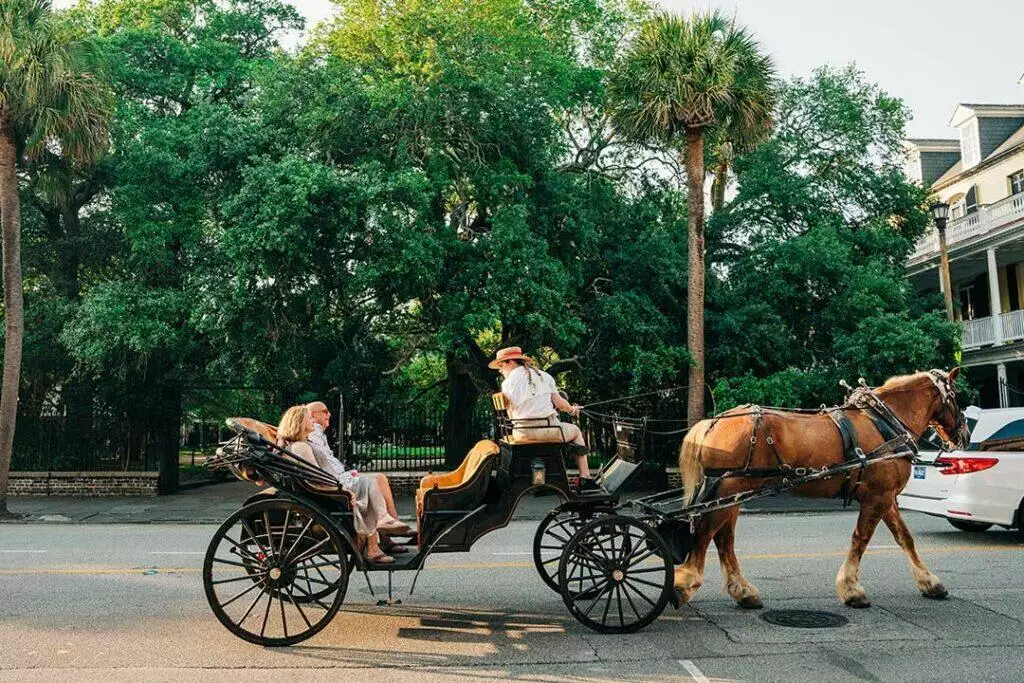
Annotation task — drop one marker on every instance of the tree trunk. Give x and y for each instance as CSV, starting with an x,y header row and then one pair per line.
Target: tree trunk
x,y
14,314
459,435
694,159
167,428
718,185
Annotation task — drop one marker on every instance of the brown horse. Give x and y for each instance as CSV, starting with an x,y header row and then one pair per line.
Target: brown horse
x,y
741,439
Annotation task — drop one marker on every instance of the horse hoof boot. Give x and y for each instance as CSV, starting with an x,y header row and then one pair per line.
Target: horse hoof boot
x,y
858,602
751,602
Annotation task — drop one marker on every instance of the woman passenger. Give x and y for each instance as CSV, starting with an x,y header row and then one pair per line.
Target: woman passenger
x,y
369,506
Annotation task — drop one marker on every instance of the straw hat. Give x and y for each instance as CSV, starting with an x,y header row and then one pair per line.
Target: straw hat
x,y
509,353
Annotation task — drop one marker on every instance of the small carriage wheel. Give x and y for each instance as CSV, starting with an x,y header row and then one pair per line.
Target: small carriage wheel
x,y
553,534
616,575
280,581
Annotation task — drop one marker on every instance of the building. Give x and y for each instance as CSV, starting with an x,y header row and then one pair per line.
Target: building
x,y
981,176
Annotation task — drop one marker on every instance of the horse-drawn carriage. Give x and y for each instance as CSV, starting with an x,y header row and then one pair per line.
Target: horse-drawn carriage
x,y
277,570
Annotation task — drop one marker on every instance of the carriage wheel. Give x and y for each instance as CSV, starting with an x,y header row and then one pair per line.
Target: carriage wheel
x,y
616,575
553,534
276,572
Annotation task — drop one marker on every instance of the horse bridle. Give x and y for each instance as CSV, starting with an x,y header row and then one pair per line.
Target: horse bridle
x,y
947,394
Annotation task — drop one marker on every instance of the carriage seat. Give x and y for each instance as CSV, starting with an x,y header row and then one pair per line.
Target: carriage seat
x,y
483,454
507,426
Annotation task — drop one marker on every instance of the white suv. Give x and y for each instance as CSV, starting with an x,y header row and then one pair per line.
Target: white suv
x,y
979,486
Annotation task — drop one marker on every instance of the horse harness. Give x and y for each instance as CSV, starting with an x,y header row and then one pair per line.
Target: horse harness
x,y
898,441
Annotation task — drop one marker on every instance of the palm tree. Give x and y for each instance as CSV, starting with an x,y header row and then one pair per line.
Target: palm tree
x,y
679,79
51,100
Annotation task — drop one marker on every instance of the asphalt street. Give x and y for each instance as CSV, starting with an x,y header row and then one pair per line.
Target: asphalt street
x,y
109,602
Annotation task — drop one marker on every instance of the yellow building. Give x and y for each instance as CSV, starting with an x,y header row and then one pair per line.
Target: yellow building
x,y
981,176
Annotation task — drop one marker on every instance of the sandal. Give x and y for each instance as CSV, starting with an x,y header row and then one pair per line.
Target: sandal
x,y
380,558
394,528
389,546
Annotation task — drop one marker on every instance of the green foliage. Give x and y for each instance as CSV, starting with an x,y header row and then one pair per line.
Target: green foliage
x,y
810,253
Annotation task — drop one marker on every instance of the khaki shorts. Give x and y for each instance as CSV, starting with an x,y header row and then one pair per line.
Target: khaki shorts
x,y
547,429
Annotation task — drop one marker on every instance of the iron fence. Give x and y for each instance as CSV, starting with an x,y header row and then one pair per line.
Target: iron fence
x,y
53,443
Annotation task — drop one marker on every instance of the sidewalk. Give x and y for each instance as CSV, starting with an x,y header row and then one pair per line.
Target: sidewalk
x,y
212,504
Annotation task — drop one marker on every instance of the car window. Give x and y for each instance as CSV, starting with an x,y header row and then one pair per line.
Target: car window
x,y
1009,437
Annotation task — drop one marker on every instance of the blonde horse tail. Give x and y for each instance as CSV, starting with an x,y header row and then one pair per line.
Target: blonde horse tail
x,y
691,469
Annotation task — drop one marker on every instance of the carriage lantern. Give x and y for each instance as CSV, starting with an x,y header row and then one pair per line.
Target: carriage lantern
x,y
539,475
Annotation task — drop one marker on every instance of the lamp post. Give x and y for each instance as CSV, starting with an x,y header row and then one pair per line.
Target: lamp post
x,y
940,212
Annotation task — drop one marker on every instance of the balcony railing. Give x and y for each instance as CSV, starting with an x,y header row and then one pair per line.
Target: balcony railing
x,y
982,332
981,222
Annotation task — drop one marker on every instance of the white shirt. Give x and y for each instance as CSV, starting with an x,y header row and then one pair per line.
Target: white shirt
x,y
317,440
529,393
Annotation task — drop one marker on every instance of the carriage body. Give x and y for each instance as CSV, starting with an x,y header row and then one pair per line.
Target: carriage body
x,y
293,545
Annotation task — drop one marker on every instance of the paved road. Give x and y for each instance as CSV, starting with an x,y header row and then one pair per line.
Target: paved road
x,y
81,602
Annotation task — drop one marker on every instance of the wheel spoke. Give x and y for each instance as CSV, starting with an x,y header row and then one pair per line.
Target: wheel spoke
x,y
291,598
607,606
639,592
266,614
284,620
266,527
299,537
600,592
284,530
242,549
248,611
311,552
648,583
247,590
253,536
310,596
247,577
618,598
630,601
233,563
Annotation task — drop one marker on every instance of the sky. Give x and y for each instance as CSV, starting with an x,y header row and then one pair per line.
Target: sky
x,y
931,53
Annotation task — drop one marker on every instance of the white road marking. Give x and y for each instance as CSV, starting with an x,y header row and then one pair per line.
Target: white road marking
x,y
177,552
517,553
24,551
692,669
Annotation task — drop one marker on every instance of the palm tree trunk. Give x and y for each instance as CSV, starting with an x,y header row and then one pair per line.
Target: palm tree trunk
x,y
694,159
718,185
10,224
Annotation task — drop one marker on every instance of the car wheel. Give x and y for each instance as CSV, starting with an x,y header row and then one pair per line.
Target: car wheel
x,y
964,525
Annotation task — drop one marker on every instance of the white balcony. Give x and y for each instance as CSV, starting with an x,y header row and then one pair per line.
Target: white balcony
x,y
982,332
986,219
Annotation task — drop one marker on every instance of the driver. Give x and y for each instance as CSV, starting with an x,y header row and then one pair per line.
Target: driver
x,y
532,397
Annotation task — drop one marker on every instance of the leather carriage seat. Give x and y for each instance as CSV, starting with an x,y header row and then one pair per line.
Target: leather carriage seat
x,y
482,454
501,410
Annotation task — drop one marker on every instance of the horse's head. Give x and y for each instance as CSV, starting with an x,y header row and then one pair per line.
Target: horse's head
x,y
945,417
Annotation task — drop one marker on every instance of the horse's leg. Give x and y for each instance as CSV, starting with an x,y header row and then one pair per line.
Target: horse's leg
x,y
742,591
690,575
872,508
927,582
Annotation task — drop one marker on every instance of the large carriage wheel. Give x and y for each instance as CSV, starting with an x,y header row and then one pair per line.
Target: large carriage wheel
x,y
276,572
616,575
553,534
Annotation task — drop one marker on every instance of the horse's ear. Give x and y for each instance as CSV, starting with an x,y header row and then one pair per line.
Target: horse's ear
x,y
953,373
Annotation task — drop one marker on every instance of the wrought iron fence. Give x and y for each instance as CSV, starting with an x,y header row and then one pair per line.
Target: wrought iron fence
x,y
51,443
406,438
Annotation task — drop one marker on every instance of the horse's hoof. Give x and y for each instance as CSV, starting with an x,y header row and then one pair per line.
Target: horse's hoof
x,y
750,602
676,598
937,593
858,602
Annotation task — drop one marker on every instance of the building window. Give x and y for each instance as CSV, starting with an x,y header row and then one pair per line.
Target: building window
x,y
969,146
1017,182
971,200
957,210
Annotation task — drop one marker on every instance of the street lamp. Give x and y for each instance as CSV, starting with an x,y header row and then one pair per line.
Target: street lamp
x,y
940,212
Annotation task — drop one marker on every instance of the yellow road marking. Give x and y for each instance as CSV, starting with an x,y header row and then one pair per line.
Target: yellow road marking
x,y
71,571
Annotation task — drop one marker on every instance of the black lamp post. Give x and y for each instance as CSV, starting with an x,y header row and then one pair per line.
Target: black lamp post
x,y
940,212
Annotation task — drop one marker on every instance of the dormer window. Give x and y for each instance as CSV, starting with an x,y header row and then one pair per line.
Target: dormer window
x,y
970,149
1017,182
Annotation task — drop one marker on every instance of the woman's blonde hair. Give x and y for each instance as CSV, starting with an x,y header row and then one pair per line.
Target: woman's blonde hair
x,y
293,424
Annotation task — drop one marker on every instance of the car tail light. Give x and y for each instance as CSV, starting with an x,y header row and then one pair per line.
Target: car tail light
x,y
949,464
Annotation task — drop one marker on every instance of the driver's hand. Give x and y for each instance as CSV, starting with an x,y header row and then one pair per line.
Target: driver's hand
x,y
576,410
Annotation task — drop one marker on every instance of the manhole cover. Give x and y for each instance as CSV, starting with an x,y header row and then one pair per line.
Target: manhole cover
x,y
802,618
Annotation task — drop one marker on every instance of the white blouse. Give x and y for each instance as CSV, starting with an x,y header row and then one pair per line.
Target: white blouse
x,y
529,393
